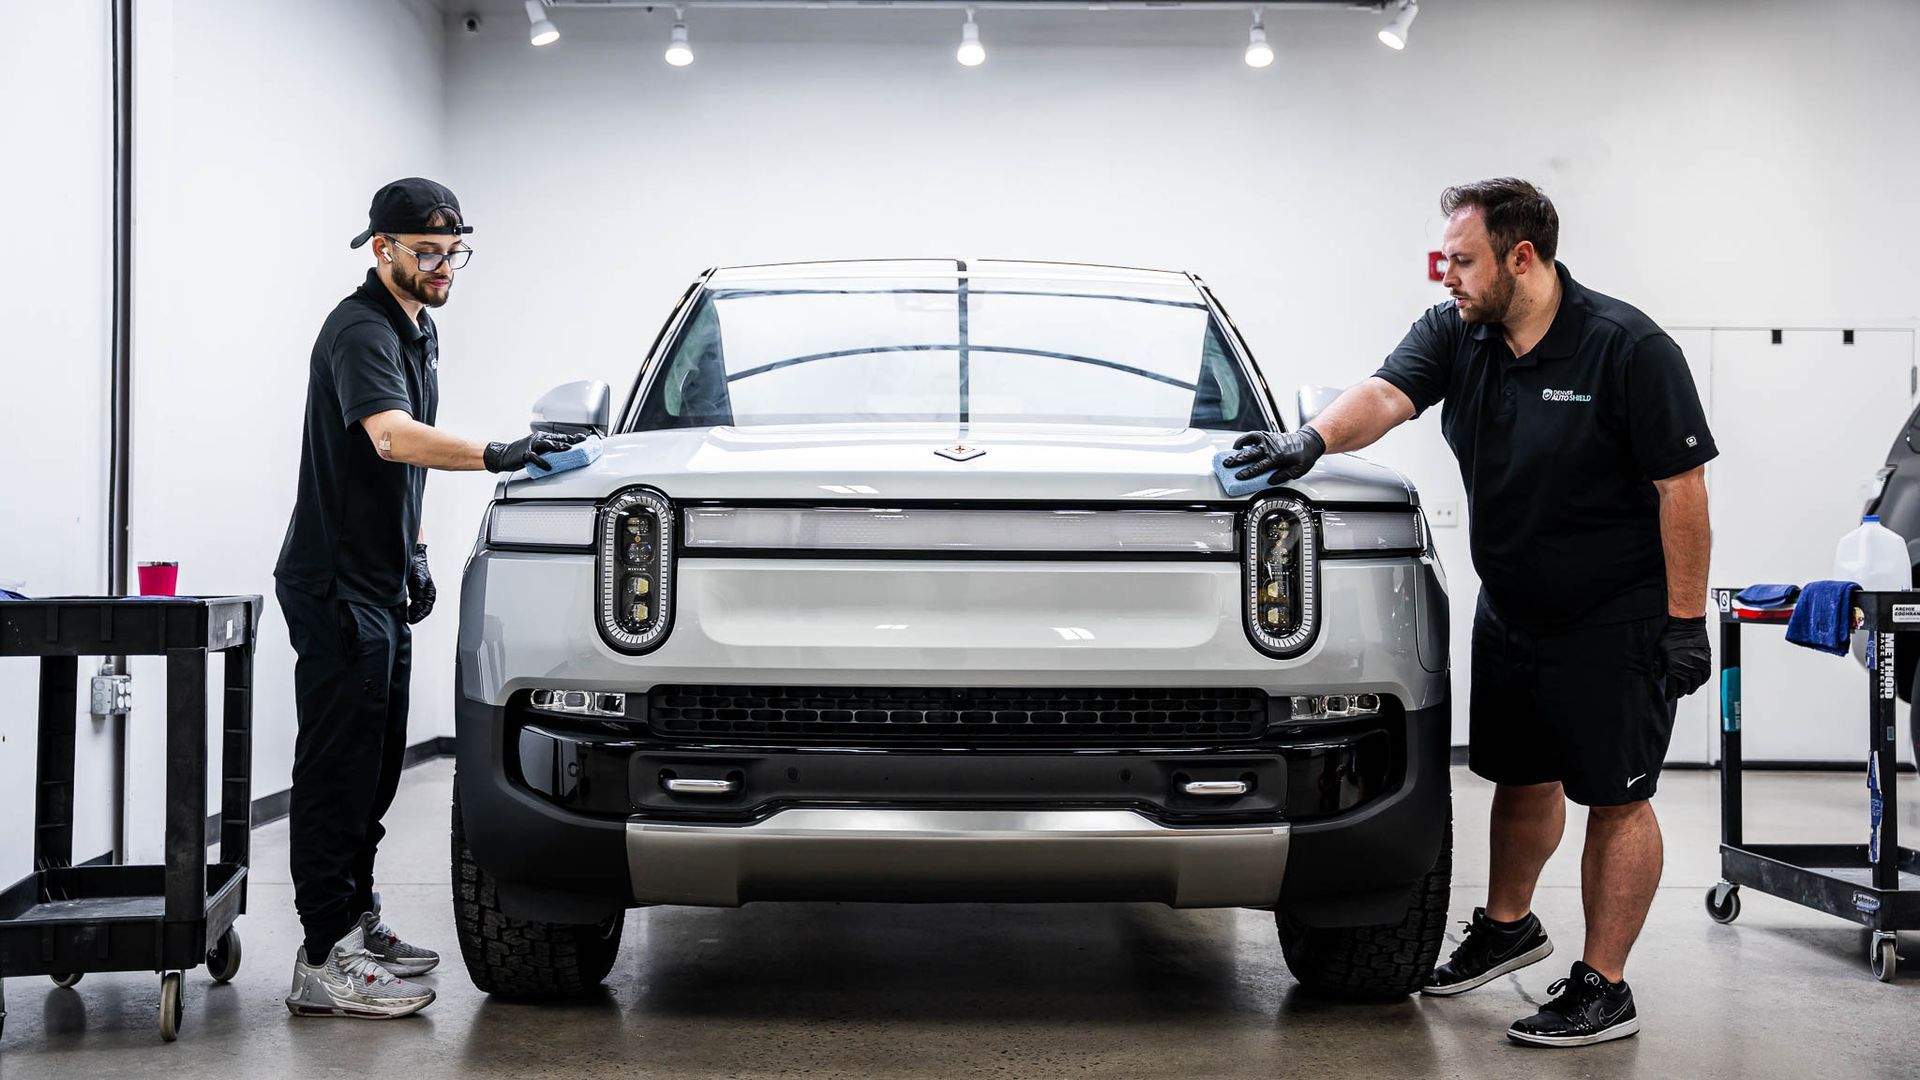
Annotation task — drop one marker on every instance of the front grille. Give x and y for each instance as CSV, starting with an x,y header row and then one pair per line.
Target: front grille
x,y
1123,717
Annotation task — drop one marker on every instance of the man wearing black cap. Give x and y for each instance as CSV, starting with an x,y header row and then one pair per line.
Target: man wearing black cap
x,y
353,576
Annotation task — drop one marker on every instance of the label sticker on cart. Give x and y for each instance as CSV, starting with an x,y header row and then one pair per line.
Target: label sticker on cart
x,y
1866,902
1726,601
1906,613
1882,662
1730,699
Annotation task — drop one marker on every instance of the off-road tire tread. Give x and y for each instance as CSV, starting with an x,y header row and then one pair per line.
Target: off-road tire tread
x,y
1374,962
520,958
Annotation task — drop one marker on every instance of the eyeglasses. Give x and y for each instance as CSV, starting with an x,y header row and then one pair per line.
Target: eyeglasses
x,y
430,261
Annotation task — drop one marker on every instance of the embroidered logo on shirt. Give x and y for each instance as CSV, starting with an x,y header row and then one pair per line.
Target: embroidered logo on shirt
x,y
1692,442
1564,395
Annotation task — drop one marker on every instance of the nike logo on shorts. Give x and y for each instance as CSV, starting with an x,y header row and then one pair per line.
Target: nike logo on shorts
x,y
1636,779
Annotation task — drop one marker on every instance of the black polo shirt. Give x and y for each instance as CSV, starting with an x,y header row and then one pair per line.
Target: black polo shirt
x,y
356,515
1559,450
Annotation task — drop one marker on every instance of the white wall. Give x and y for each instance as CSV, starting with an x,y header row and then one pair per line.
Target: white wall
x,y
56,274
1713,170
265,128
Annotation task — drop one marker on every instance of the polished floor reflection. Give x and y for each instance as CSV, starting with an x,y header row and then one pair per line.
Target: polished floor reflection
x,y
855,990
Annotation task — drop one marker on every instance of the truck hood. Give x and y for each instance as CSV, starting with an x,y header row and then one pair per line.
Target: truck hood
x,y
861,462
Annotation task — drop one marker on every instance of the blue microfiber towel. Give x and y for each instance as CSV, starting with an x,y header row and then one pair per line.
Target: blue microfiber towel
x,y
1236,488
579,456
1768,596
1823,619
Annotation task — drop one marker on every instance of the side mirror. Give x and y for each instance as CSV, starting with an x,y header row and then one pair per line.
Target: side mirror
x,y
1313,400
584,408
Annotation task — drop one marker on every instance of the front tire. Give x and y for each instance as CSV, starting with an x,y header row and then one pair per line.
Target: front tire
x,y
1375,963
522,958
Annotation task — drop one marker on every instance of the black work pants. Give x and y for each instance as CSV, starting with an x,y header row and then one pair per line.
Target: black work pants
x,y
350,691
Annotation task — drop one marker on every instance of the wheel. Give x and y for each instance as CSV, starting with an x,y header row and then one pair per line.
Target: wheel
x,y
223,960
1374,962
1727,910
172,1009
1883,956
520,958
67,980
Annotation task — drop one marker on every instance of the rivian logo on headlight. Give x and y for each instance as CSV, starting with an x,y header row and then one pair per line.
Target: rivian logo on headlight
x,y
960,452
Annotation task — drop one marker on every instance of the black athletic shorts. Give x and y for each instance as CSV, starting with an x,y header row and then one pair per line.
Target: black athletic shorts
x,y
1582,706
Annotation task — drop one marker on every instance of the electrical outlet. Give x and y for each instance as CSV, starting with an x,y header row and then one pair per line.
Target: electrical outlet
x,y
112,695
1444,513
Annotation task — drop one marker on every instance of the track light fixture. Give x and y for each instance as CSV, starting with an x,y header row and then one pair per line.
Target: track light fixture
x,y
679,51
971,52
1259,53
543,32
1394,34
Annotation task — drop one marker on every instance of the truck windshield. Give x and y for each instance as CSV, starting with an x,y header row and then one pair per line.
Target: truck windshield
x,y
955,350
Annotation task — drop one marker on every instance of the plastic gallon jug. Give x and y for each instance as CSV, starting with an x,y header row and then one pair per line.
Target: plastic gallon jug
x,y
1876,557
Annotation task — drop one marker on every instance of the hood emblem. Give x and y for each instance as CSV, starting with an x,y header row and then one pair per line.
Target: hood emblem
x,y
960,452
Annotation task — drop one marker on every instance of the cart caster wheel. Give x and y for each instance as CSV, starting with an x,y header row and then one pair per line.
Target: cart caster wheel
x,y
1883,955
223,960
172,1009
64,981
1723,908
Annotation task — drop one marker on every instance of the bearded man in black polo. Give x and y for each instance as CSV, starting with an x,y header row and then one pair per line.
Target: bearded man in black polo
x,y
1583,448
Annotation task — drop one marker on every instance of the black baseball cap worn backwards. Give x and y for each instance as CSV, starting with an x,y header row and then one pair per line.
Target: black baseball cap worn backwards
x,y
404,207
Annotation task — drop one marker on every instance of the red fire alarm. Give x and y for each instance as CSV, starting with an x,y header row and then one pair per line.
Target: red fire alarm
x,y
1436,266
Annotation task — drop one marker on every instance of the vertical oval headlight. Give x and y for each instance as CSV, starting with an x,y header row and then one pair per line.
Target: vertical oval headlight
x,y
636,570
1282,577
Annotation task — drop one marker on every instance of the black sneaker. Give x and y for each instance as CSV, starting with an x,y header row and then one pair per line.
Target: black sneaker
x,y
1489,951
1586,1009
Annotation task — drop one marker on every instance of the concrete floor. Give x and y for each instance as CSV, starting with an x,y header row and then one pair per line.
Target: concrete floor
x,y
821,990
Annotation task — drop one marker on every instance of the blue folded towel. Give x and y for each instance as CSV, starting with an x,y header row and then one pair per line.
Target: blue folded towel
x,y
1236,488
1768,596
1823,619
579,456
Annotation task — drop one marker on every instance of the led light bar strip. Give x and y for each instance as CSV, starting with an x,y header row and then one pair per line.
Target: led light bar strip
x,y
855,529
541,524
1376,531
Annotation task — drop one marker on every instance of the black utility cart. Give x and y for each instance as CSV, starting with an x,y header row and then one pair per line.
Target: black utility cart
x,y
64,920
1876,884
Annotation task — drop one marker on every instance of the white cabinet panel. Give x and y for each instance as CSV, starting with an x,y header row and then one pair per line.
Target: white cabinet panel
x,y
1801,426
1696,726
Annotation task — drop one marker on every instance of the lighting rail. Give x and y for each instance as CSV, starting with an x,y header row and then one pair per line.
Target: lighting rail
x,y
972,52
1372,6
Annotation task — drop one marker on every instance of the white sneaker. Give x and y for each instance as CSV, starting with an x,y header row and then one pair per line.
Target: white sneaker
x,y
393,954
352,983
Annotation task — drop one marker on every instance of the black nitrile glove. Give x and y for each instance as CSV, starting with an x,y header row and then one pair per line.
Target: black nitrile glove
x,y
1686,659
420,591
509,457
1288,453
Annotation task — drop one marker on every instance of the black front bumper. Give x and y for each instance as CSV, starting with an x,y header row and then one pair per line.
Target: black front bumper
x,y
547,801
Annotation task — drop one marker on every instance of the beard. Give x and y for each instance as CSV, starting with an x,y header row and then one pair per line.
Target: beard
x,y
1492,305
414,284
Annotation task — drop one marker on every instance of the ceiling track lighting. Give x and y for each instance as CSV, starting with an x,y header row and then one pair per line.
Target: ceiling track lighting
x,y
1394,34
971,53
1259,53
679,50
542,31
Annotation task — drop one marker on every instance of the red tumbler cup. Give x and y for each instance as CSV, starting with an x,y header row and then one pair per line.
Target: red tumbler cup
x,y
159,578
